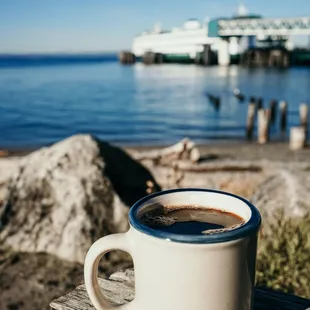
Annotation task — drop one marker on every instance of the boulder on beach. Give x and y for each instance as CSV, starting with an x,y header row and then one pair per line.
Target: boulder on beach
x,y
62,198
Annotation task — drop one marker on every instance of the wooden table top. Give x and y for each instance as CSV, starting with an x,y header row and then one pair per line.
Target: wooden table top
x,y
119,289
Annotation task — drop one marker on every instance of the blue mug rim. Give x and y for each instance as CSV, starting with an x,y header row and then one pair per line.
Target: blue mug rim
x,y
250,227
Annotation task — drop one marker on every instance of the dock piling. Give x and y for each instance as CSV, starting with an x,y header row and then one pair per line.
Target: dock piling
x,y
252,99
297,138
150,58
250,120
304,113
259,104
263,126
126,58
273,111
217,103
283,116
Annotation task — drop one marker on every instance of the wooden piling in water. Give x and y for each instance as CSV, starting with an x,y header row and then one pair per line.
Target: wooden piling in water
x,y
263,126
126,58
217,103
259,104
159,58
250,120
283,116
252,99
297,138
273,110
303,114
150,58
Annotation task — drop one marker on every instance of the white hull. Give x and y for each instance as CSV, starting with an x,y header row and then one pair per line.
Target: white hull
x,y
184,41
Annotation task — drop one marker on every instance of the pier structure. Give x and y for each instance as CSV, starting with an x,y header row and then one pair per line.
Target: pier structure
x,y
247,39
243,32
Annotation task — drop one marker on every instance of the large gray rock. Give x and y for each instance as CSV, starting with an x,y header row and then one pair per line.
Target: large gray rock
x,y
64,197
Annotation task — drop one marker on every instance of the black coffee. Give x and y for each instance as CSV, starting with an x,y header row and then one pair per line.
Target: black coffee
x,y
190,220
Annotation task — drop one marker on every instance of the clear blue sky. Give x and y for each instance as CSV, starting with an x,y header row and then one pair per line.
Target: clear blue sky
x,y
110,25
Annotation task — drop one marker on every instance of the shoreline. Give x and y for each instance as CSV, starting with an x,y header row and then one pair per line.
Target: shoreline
x,y
216,150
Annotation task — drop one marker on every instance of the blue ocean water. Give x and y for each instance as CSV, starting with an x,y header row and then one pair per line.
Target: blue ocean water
x,y
43,101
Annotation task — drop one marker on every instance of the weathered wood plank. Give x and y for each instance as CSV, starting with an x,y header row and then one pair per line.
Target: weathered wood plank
x,y
119,289
183,149
223,166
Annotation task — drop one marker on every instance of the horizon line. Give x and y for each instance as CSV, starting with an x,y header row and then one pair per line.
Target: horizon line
x,y
46,53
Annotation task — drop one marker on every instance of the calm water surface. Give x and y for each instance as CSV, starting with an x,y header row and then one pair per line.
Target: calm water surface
x,y
137,104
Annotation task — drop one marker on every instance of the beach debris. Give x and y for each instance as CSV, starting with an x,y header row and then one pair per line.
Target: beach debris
x,y
175,177
186,149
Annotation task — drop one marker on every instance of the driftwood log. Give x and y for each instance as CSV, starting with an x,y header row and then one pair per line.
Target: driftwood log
x,y
185,156
185,149
119,289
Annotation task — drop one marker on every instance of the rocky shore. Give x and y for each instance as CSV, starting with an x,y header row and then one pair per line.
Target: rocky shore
x,y
56,201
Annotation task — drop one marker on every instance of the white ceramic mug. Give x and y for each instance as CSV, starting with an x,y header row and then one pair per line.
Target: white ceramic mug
x,y
184,272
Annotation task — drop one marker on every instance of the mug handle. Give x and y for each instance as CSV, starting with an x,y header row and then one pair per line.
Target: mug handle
x,y
93,256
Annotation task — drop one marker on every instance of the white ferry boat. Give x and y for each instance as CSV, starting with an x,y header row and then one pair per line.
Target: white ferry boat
x,y
179,43
190,42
